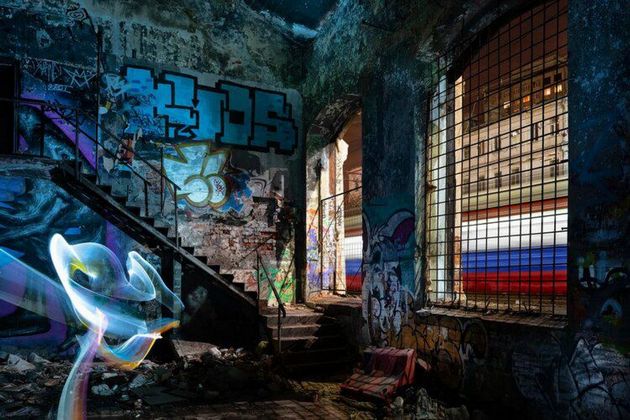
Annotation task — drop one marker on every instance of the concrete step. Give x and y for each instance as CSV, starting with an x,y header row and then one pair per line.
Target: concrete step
x,y
306,343
136,211
295,317
120,199
107,189
335,354
319,368
304,330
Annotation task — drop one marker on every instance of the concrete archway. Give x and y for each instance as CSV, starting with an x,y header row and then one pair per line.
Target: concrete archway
x,y
326,153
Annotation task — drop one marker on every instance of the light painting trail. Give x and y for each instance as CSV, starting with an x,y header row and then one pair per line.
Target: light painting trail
x,y
98,295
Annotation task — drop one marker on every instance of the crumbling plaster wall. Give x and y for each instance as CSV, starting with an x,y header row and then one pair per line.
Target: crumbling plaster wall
x,y
385,57
218,37
55,44
227,40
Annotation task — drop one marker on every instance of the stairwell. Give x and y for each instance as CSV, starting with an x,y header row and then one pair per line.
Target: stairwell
x,y
307,341
310,342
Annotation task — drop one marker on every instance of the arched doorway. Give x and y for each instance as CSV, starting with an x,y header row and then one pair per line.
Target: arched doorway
x,y
341,226
334,208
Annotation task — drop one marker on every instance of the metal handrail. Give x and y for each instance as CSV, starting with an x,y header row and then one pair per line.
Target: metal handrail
x,y
55,106
256,248
244,257
320,208
73,120
281,308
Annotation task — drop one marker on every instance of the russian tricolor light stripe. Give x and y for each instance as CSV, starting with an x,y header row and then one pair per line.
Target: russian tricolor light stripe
x,y
519,249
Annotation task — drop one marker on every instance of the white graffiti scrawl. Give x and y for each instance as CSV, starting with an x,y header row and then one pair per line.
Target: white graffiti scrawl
x,y
198,171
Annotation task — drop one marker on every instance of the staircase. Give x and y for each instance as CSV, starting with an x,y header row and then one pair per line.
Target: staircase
x,y
310,342
307,341
147,230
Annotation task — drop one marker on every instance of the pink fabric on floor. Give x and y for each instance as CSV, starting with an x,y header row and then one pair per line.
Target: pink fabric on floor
x,y
387,369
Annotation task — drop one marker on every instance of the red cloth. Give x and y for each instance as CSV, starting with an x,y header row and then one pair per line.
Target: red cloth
x,y
386,370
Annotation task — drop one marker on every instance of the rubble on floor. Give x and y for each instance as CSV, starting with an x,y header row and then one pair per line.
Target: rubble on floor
x,y
416,404
30,386
205,382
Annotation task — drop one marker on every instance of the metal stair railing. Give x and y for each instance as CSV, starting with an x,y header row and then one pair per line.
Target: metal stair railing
x,y
70,119
75,117
282,312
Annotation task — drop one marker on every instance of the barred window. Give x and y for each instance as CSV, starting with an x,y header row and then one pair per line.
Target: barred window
x,y
500,243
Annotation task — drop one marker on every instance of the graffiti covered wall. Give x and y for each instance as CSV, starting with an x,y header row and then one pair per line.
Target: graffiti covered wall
x,y
572,368
230,146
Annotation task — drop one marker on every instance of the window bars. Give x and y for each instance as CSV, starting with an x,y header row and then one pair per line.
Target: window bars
x,y
497,156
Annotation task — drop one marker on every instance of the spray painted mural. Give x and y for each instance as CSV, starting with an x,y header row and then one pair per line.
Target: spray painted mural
x,y
206,177
176,107
203,130
227,146
388,276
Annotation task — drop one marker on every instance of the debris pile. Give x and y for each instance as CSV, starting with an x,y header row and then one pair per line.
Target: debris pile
x,y
416,404
31,385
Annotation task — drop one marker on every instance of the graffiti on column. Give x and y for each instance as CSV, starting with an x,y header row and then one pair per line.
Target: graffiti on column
x,y
386,291
590,381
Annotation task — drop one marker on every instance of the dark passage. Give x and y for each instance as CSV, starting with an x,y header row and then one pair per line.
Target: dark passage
x,y
7,123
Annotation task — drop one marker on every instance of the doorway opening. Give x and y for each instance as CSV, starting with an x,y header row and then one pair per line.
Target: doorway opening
x,y
341,212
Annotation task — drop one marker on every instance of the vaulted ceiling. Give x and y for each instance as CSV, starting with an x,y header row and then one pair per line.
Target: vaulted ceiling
x,y
308,13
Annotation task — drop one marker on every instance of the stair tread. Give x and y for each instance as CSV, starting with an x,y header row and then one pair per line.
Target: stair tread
x,y
310,324
317,350
131,218
298,326
307,337
296,313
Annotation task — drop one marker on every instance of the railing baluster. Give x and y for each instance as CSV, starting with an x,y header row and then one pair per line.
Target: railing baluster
x,y
96,156
279,328
175,187
41,134
282,312
162,180
258,273
76,143
146,199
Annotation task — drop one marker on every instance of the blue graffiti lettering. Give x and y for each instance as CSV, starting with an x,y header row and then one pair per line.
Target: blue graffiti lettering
x,y
227,114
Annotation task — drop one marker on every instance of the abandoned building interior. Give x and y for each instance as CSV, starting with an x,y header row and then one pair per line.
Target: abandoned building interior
x,y
410,209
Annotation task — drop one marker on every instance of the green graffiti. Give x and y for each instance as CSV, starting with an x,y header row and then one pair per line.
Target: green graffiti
x,y
282,277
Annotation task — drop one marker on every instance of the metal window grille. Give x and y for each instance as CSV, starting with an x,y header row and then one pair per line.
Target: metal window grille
x,y
497,215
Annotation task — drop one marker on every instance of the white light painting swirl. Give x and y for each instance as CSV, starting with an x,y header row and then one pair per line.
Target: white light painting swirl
x,y
101,297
